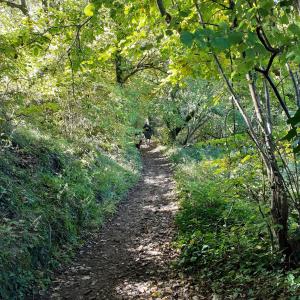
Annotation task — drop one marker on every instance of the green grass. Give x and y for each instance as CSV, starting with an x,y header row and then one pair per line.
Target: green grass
x,y
52,192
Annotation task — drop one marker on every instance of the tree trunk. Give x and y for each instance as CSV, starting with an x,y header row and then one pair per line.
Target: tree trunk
x,y
279,201
173,132
279,205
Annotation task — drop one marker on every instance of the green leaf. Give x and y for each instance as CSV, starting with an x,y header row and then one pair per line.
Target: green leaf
x,y
235,37
89,10
187,38
295,119
263,12
297,59
267,4
184,13
200,38
293,28
252,38
36,51
296,149
291,134
113,13
284,19
250,53
220,43
259,49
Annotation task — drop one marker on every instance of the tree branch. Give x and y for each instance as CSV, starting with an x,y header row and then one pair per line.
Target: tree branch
x,y
141,67
22,7
163,11
224,6
275,51
281,101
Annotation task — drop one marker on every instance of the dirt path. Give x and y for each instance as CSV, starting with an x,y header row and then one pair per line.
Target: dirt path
x,y
131,256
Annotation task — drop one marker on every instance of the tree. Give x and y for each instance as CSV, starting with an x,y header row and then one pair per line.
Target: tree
x,y
243,40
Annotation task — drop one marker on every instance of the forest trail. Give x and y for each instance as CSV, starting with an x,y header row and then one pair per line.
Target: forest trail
x,y
131,257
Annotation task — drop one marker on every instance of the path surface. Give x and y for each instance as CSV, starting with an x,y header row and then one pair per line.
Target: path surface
x,y
131,256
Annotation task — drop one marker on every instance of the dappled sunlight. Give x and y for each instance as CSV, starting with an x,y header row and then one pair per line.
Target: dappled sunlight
x,y
156,149
172,207
131,258
133,289
151,208
167,289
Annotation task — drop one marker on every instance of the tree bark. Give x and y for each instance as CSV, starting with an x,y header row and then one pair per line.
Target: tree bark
x,y
268,108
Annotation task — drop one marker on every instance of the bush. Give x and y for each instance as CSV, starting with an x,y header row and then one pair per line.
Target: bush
x,y
223,233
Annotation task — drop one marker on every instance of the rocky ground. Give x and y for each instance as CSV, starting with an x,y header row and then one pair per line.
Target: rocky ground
x,y
131,257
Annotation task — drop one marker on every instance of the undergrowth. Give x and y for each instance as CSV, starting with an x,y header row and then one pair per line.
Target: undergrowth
x,y
51,193
224,234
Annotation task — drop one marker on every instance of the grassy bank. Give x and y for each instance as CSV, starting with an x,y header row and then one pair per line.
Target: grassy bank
x,y
52,192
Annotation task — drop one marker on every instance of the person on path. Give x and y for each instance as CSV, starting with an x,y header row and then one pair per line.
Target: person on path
x,y
148,132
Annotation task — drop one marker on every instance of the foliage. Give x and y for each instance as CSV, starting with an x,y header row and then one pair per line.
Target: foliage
x,y
192,110
223,235
67,152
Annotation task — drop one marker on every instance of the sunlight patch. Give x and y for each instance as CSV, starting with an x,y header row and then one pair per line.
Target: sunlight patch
x,y
133,289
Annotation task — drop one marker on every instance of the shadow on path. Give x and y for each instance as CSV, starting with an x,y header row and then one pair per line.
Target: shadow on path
x,y
131,256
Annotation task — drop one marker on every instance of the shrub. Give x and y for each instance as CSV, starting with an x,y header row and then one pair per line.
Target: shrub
x,y
223,233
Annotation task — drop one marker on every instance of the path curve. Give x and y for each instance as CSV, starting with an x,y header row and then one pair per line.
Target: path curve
x,y
131,256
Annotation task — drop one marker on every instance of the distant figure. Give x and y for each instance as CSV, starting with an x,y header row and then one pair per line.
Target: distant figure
x,y
147,133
